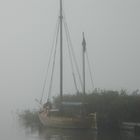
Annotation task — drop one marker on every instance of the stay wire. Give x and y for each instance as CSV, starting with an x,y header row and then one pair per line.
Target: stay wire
x,y
54,60
49,62
71,61
89,67
71,46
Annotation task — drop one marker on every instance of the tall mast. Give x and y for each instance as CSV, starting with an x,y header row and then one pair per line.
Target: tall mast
x,y
83,53
61,52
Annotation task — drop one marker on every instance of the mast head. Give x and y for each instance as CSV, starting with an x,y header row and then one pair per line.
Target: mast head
x,y
84,42
83,35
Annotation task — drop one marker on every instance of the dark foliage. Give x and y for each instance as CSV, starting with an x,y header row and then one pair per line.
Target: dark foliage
x,y
29,118
112,107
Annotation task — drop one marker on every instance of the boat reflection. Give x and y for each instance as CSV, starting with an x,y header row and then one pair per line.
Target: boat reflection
x,y
67,134
39,133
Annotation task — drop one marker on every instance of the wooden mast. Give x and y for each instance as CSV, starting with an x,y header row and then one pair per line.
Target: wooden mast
x,y
61,52
83,53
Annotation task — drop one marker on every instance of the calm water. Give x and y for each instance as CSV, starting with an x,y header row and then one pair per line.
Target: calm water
x,y
11,129
61,134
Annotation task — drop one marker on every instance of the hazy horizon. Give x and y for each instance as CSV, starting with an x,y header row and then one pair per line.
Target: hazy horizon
x,y
112,32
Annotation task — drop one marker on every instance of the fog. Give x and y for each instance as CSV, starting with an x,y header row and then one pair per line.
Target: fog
x,y
112,31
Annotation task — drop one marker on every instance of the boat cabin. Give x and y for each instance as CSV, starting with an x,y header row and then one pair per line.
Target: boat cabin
x,y
73,109
67,109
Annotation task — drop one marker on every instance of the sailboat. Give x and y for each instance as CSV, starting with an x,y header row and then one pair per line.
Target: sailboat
x,y
67,114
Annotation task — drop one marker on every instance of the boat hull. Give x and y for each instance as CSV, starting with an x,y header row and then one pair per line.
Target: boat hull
x,y
67,122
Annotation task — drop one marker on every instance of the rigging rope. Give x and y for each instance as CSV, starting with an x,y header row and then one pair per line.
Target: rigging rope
x,y
51,80
74,58
50,56
71,62
89,67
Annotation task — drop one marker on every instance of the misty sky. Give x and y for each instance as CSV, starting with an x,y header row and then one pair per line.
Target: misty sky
x,y
112,31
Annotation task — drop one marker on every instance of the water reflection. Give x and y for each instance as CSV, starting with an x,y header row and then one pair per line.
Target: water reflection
x,y
61,134
38,133
129,135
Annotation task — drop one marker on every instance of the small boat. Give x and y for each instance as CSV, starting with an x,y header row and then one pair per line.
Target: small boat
x,y
67,114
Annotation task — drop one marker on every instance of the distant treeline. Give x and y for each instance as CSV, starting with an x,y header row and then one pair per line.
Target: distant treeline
x,y
112,107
